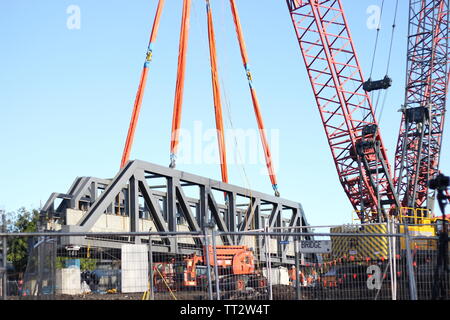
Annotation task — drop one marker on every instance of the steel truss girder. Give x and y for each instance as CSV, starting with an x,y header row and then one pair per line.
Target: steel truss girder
x,y
345,108
420,137
132,184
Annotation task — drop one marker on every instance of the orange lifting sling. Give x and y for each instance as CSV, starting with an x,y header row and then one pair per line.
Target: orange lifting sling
x,y
262,132
177,106
141,88
216,94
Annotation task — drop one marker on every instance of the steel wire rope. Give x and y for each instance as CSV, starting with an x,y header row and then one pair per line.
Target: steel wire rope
x,y
394,24
387,91
374,57
376,40
379,117
387,71
369,108
237,154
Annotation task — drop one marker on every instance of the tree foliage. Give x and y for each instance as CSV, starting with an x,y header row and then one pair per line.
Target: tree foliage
x,y
22,221
85,263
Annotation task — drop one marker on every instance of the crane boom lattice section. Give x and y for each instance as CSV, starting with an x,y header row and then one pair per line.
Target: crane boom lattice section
x,y
420,137
345,108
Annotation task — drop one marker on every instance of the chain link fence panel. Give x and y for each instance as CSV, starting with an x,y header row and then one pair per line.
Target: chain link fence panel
x,y
332,263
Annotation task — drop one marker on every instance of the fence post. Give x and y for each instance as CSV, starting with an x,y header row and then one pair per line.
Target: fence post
x,y
412,280
54,256
216,270
208,263
297,270
392,264
150,264
4,260
268,259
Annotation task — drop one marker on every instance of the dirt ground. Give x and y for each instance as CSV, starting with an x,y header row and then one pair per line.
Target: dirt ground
x,y
279,292
132,296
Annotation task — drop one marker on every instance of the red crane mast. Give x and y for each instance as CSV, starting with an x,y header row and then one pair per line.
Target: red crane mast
x,y
420,137
345,108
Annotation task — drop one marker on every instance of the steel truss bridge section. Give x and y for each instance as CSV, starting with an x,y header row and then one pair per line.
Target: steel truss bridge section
x,y
345,108
170,199
420,137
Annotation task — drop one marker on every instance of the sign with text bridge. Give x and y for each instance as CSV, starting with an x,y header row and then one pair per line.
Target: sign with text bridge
x,y
315,246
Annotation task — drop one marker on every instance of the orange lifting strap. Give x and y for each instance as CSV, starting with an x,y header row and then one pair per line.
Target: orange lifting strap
x,y
141,88
177,106
262,132
216,94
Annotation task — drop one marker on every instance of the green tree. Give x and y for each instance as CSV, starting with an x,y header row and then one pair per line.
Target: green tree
x,y
24,221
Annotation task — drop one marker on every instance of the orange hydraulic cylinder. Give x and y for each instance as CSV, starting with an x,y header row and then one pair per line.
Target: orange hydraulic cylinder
x,y
216,94
141,88
267,153
178,101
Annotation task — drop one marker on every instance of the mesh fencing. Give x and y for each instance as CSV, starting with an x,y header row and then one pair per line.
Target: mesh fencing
x,y
430,265
336,274
333,263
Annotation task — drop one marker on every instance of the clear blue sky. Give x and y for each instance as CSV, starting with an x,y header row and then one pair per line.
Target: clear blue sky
x,y
66,95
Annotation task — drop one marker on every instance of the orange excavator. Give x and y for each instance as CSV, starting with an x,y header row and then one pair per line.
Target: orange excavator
x,y
235,265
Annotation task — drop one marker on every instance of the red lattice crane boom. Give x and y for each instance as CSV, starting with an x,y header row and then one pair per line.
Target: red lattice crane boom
x,y
420,137
345,108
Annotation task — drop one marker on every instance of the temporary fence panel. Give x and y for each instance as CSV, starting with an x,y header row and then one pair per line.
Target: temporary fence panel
x,y
175,276
430,265
376,263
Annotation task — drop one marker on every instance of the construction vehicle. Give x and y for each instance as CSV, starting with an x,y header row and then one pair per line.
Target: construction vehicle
x,y
235,266
378,193
332,64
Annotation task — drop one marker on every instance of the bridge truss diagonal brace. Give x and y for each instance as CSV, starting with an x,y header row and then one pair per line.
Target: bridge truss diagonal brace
x,y
139,186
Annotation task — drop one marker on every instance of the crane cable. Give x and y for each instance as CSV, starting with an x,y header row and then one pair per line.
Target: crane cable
x,y
388,61
394,24
376,40
237,154
141,88
178,101
375,48
267,153
376,134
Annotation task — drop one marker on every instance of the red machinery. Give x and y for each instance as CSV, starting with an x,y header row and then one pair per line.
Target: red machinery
x,y
420,137
348,116
345,108
233,261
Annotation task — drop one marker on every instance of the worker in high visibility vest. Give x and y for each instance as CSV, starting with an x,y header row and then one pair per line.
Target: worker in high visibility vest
x,y
302,278
292,275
